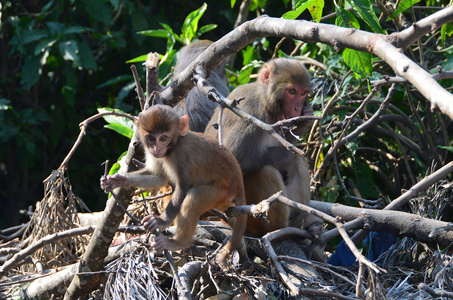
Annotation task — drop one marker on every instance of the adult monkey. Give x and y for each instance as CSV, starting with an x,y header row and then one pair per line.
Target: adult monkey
x,y
196,105
281,92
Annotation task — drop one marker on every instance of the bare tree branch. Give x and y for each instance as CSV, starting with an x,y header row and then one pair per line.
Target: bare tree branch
x,y
387,47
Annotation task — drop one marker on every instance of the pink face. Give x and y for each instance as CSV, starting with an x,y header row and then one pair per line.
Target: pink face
x,y
293,101
157,144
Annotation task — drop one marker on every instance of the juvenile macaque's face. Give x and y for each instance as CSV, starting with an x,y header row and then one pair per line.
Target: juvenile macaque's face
x,y
158,144
294,98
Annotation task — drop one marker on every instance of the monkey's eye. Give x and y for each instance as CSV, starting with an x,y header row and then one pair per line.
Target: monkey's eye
x,y
151,138
292,91
163,138
303,93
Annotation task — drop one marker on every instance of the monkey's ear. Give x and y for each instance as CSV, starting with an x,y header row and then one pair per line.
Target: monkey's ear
x,y
136,120
266,73
183,125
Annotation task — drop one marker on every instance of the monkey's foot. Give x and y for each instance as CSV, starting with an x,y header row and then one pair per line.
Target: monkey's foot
x,y
152,222
161,243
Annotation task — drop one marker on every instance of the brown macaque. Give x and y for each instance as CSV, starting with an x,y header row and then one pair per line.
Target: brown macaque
x,y
280,92
203,176
196,105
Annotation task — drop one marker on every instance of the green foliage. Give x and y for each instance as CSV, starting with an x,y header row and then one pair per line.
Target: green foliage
x,y
403,5
64,59
122,125
446,30
359,62
189,30
365,11
345,18
315,8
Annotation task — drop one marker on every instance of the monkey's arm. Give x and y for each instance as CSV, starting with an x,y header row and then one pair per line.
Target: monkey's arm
x,y
303,127
281,159
143,178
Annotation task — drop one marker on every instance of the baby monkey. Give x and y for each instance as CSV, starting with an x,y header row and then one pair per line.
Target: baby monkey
x,y
203,176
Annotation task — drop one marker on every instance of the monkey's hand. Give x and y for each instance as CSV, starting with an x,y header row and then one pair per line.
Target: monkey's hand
x,y
283,160
314,225
110,182
304,125
152,222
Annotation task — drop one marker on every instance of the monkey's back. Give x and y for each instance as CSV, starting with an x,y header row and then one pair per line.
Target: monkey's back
x,y
237,129
203,162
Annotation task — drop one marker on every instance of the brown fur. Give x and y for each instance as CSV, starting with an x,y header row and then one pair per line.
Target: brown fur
x,y
204,176
263,177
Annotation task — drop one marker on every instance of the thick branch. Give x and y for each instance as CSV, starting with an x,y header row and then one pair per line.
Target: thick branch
x,y
433,22
338,37
396,222
97,249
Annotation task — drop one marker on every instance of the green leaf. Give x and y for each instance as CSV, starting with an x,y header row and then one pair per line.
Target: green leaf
x,y
87,60
246,71
172,35
261,3
316,10
140,58
301,6
367,14
404,4
359,62
160,33
33,36
56,28
364,175
352,146
167,63
115,3
70,51
205,29
121,125
115,168
31,71
345,18
447,29
120,129
190,25
449,148
448,64
233,2
99,11
244,74
44,44
76,29
4,104
115,80
247,55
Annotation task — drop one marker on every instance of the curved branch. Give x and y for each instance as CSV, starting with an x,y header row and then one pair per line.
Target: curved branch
x,y
433,22
83,127
384,46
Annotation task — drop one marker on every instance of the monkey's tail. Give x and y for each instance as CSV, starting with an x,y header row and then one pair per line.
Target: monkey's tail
x,y
236,241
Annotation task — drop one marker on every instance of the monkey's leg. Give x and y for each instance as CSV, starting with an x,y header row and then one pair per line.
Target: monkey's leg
x,y
261,185
298,189
197,201
236,241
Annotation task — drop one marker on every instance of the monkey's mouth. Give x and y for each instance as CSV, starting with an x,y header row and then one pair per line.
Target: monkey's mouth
x,y
158,155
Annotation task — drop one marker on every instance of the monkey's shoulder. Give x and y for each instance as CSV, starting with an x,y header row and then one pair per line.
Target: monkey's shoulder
x,y
207,148
246,92
203,141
